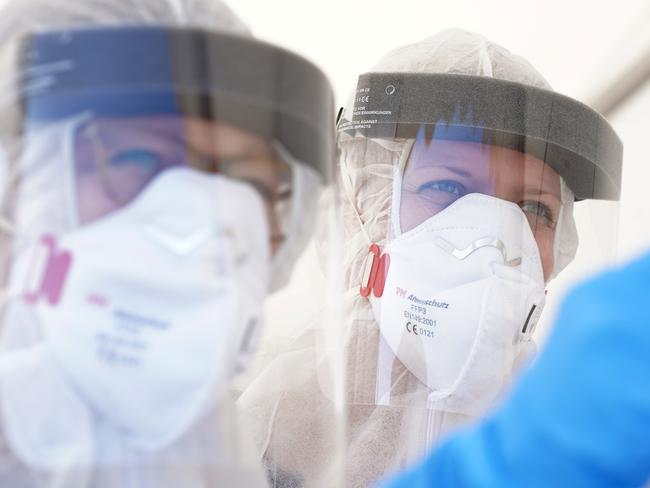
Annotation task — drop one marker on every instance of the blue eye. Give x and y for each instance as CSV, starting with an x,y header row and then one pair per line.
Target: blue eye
x,y
147,160
446,186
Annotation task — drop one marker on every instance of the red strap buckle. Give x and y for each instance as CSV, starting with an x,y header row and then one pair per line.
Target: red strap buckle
x,y
374,274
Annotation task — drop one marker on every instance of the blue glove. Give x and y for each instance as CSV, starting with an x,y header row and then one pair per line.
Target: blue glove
x,y
581,415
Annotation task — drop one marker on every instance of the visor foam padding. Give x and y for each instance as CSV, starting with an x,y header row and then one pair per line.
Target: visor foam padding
x,y
569,136
128,71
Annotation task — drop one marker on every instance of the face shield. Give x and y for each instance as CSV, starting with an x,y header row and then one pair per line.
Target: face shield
x,y
161,185
462,198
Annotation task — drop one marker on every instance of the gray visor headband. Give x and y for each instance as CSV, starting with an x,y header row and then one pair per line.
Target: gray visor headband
x,y
131,71
570,137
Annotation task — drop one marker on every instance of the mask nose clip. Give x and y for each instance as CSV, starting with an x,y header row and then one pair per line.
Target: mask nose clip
x,y
462,254
375,269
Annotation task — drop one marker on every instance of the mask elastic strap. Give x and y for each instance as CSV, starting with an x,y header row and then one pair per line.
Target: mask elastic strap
x,y
11,176
304,181
349,194
69,162
6,227
398,176
296,190
565,241
7,230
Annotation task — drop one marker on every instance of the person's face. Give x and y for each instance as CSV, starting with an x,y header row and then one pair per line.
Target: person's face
x,y
439,172
116,158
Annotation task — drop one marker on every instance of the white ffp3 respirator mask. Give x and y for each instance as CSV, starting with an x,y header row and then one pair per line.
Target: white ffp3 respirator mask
x,y
148,312
457,297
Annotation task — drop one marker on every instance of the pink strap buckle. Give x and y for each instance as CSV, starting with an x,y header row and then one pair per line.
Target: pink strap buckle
x,y
53,269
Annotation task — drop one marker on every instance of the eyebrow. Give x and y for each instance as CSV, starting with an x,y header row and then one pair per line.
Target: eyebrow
x,y
458,171
453,169
529,189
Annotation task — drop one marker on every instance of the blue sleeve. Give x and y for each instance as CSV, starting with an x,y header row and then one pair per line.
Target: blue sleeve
x,y
581,415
